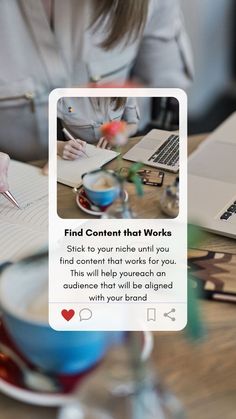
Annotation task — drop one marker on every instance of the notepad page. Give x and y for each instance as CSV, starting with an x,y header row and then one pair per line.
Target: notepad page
x,y
30,188
16,242
24,231
69,172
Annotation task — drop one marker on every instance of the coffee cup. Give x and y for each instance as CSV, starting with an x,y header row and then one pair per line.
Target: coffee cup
x,y
101,187
23,301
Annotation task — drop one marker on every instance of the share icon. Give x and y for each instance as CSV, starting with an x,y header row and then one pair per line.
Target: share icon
x,y
168,314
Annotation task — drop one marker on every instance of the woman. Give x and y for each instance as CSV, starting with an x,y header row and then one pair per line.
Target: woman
x,y
83,117
4,165
47,44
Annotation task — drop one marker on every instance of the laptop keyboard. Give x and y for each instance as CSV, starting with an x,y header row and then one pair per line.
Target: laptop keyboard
x,y
230,211
168,153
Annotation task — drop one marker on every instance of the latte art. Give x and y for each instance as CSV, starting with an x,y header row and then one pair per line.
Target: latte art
x,y
102,184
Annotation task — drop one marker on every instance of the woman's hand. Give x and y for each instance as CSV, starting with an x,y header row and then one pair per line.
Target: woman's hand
x,y
71,150
103,143
4,164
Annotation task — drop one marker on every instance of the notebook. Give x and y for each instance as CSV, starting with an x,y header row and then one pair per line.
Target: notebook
x,y
24,231
69,172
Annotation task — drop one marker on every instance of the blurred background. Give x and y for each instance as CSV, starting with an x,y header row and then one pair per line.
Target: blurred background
x,y
212,30
211,26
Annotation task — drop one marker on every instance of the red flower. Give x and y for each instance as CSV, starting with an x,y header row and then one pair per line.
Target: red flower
x,y
113,128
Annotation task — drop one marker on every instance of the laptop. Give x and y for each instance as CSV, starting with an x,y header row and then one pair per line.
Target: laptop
x,y
158,149
212,181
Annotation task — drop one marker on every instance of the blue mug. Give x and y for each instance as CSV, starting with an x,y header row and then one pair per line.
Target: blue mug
x,y
52,351
101,187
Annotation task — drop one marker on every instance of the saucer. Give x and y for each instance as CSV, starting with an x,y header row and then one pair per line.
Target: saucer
x,y
88,207
12,385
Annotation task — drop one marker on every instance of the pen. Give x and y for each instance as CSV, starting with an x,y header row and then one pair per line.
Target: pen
x,y
10,198
68,134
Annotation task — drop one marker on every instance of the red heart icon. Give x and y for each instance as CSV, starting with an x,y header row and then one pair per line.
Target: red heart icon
x,y
68,314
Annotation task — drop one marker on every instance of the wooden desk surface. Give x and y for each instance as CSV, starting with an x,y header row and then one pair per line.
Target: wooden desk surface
x,y
144,207
202,375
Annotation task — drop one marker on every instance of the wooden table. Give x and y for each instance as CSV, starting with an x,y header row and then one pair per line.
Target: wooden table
x,y
145,207
202,375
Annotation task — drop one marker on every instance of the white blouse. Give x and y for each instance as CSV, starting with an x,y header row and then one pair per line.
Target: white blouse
x,y
83,117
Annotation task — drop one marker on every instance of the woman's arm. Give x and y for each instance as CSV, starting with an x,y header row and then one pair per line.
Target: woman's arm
x,y
164,57
131,116
132,128
4,164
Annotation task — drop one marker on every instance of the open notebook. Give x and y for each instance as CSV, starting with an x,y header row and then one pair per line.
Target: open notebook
x,y
70,172
24,231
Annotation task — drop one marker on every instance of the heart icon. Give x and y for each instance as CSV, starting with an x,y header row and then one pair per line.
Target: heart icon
x,y
68,314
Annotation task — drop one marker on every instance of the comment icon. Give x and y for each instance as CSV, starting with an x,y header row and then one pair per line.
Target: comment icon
x,y
85,314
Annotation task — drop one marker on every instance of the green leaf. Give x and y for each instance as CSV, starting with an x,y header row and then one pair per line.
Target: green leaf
x,y
195,235
195,328
138,184
134,169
